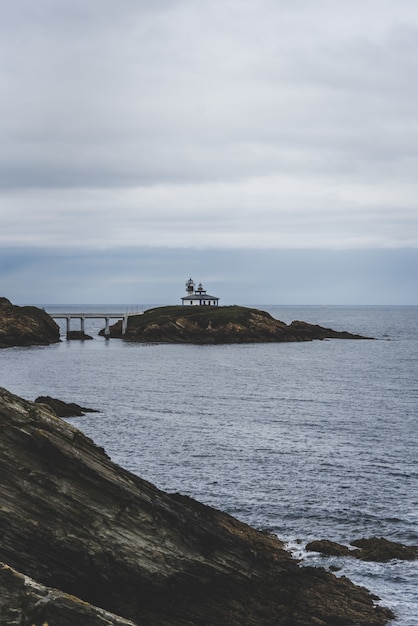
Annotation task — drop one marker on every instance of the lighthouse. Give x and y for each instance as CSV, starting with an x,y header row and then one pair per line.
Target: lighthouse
x,y
190,287
198,296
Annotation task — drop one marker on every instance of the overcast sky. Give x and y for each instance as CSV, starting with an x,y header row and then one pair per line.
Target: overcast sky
x,y
266,148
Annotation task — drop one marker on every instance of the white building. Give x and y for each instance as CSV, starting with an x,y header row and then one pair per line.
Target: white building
x,y
198,296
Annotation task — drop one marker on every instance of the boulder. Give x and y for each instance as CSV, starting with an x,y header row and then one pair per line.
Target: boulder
x,y
328,548
103,538
383,550
26,326
376,549
218,325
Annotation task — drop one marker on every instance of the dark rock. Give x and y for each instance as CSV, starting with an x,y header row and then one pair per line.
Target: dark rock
x,y
24,601
26,326
78,334
217,325
64,409
372,549
73,520
328,548
313,331
383,550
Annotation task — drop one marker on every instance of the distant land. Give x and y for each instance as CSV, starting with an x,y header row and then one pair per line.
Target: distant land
x,y
30,325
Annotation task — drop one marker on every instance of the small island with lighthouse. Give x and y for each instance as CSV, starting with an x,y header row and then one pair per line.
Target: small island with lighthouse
x,y
200,320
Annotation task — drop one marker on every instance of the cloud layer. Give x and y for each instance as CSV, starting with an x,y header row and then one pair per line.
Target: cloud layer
x,y
226,124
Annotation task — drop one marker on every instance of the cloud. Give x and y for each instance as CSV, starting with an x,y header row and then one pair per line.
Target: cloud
x,y
255,213
96,95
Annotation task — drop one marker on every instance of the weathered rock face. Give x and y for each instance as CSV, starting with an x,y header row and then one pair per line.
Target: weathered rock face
x,y
216,325
73,520
23,598
26,326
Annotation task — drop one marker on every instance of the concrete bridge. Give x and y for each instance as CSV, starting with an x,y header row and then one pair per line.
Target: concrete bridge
x,y
83,316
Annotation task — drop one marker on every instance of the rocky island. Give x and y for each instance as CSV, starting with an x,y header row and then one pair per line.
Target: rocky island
x,y
83,541
376,549
26,326
218,325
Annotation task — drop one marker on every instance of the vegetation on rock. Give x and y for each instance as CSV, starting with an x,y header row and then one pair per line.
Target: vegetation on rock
x,y
217,325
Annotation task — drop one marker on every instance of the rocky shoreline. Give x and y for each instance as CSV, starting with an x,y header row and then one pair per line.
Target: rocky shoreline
x,y
84,541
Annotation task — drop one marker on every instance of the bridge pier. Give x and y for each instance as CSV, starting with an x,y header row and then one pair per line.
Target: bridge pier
x,y
82,316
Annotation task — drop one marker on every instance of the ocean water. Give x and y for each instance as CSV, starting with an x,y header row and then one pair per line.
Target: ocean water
x,y
306,440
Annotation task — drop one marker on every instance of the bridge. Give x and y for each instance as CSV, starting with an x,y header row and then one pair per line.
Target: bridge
x,y
83,316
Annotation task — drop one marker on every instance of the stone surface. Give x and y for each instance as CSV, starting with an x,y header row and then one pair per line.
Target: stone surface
x,y
73,520
328,548
372,549
216,325
64,409
382,550
26,326
24,601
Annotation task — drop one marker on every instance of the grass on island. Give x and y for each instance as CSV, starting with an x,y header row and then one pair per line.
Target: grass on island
x,y
218,315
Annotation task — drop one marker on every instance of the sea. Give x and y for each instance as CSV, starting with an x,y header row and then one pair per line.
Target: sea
x,y
312,440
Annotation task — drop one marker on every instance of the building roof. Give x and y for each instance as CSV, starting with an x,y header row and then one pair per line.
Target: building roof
x,y
200,296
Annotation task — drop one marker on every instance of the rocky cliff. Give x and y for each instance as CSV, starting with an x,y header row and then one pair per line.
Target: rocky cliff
x,y
25,326
215,325
84,541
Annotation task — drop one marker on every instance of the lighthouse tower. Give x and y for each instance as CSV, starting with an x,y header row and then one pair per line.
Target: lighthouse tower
x,y
190,287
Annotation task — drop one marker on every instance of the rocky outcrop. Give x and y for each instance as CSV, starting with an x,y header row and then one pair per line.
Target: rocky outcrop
x,y
371,549
383,550
217,325
26,326
328,548
105,539
64,409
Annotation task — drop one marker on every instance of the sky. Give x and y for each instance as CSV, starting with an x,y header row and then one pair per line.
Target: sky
x,y
267,149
